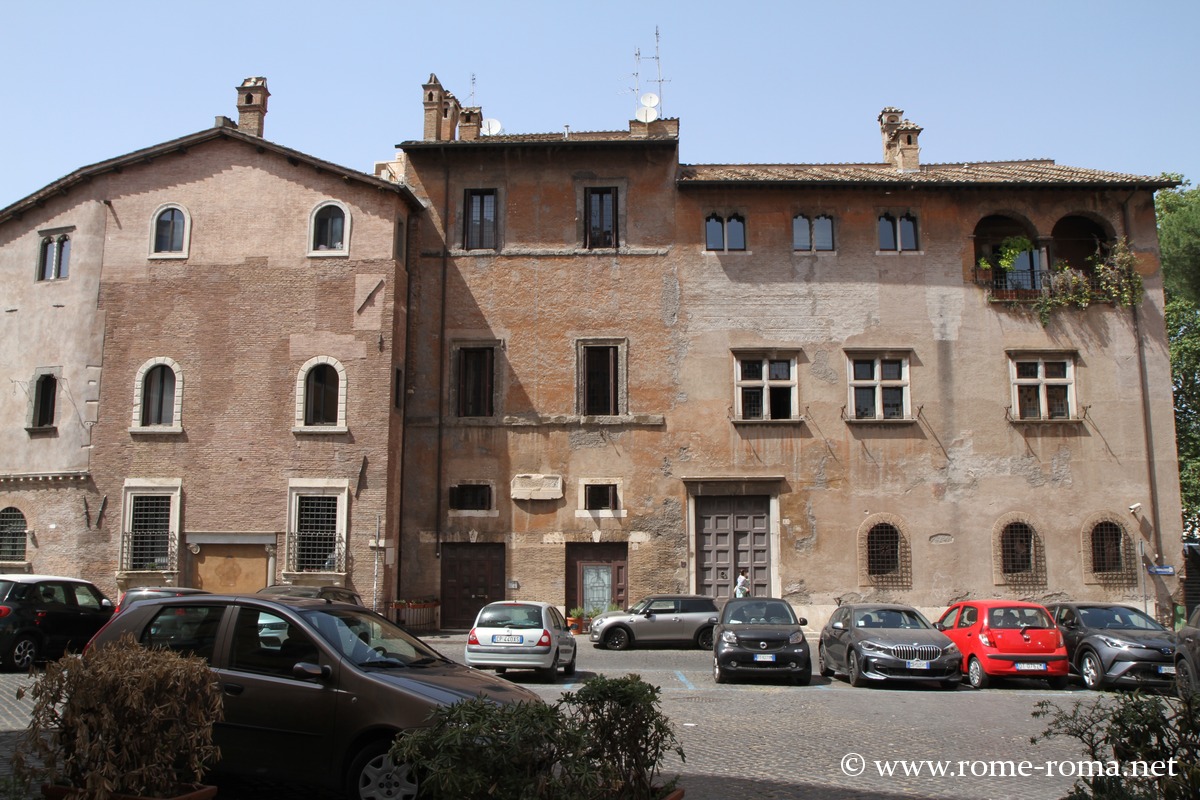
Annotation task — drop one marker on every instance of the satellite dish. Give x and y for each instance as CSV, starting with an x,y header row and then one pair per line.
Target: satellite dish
x,y
646,114
491,127
649,100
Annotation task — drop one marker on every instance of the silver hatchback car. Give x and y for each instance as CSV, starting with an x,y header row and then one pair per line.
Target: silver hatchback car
x,y
659,618
521,634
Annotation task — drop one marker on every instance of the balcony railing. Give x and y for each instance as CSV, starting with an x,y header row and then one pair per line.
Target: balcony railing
x,y
153,550
1028,286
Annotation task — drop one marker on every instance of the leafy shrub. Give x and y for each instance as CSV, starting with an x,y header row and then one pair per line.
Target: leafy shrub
x,y
604,742
121,719
1124,728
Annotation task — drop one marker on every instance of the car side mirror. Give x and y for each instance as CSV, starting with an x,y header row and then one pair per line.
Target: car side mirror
x,y
712,620
837,626
939,625
305,670
106,603
802,620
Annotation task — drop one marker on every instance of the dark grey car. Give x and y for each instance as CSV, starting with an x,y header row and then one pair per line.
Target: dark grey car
x,y
1109,644
1187,656
659,618
878,642
336,593
314,691
761,636
44,616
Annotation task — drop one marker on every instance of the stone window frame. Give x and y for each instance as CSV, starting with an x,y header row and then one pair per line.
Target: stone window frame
x,y
1036,576
792,355
490,512
54,254
136,425
302,395
902,578
185,249
581,509
34,422
14,534
879,355
151,487
344,250
1071,381
621,388
317,487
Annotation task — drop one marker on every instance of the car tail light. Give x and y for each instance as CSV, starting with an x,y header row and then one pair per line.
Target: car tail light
x,y
1061,641
984,639
545,640
472,638
5,611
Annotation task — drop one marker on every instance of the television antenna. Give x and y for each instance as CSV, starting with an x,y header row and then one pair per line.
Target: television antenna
x,y
644,100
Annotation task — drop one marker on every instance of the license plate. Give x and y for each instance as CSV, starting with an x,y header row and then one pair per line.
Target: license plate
x,y
1166,669
1031,666
764,656
503,639
916,664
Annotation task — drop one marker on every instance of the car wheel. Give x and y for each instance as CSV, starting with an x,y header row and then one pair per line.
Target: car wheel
x,y
551,672
719,675
1185,680
569,669
617,639
23,653
1092,671
976,675
822,665
854,670
704,638
1058,682
373,776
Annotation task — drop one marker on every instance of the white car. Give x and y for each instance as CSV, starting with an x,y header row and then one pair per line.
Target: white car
x,y
521,634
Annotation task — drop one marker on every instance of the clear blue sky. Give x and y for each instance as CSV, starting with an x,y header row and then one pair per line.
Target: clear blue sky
x,y
1095,83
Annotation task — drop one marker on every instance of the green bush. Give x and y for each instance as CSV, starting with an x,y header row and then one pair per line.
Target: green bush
x,y
604,742
1120,729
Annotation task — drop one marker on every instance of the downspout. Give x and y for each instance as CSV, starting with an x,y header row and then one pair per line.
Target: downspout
x,y
437,552
1147,427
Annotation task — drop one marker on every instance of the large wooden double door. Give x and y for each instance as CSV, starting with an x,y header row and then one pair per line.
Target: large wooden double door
x,y
733,532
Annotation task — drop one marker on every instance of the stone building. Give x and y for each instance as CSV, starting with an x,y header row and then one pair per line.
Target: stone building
x,y
628,375
200,344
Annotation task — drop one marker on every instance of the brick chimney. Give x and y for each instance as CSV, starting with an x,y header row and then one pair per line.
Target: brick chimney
x,y
252,105
900,147
441,111
470,120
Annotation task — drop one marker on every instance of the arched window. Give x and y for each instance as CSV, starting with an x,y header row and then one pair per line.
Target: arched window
x,y
330,229
1112,554
724,233
714,233
12,535
321,396
887,232
823,233
883,550
1016,549
1076,241
168,231
997,238
158,396
54,257
801,233
898,235
735,233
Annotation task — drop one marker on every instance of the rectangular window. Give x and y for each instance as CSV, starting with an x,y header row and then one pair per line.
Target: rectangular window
x,y
471,497
45,396
600,497
600,216
316,534
601,389
1042,387
480,219
150,533
879,387
765,387
476,381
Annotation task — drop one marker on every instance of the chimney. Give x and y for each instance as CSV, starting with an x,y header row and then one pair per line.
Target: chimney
x,y
470,120
900,147
252,105
441,111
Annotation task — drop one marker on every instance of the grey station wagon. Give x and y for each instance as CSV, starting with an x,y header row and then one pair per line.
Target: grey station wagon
x,y
659,618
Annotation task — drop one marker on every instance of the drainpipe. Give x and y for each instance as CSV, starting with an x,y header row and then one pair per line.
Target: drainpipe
x,y
442,353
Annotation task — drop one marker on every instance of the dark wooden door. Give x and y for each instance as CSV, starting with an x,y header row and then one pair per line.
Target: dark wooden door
x,y
733,532
472,577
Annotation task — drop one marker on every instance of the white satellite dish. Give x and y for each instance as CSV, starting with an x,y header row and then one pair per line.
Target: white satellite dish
x,y
649,100
646,114
491,127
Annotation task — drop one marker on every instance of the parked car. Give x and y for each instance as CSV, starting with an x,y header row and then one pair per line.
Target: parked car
x,y
319,699
1006,638
336,593
869,642
521,634
44,616
659,618
760,636
1109,644
137,593
1187,656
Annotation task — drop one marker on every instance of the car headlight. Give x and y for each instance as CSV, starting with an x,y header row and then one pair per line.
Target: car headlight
x,y
728,637
871,646
797,637
950,649
597,624
1119,644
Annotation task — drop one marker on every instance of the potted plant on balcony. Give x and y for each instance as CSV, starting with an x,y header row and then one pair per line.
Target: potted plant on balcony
x,y
121,721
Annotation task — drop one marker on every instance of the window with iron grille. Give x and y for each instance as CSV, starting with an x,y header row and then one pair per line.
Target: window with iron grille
x,y
1043,388
600,497
602,379
1113,558
471,497
149,545
476,381
879,387
1022,560
765,387
317,534
887,558
158,396
600,216
12,534
479,218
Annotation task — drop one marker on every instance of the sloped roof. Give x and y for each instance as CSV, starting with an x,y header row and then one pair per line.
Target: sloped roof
x,y
181,146
566,138
1035,173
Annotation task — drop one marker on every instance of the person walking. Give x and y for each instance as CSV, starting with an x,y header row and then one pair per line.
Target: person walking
x,y
742,589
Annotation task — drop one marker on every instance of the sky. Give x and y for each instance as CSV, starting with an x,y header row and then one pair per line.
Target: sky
x,y
1088,83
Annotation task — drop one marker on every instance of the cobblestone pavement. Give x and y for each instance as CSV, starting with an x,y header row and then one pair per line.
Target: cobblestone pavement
x,y
778,742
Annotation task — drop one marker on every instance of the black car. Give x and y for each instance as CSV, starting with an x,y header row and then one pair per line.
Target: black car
x,y
1109,644
314,691
880,642
337,594
760,636
44,616
1187,656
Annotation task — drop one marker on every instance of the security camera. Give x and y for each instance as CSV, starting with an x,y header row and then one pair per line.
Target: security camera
x,y
1135,508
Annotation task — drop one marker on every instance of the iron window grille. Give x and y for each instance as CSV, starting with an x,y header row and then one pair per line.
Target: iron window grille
x,y
889,560
149,544
1112,554
13,535
1022,558
316,546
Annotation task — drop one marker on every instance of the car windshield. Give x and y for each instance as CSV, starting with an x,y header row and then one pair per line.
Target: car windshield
x,y
641,606
370,640
1017,617
769,612
889,618
1117,618
510,615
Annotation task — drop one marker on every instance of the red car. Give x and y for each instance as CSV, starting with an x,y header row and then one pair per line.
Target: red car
x,y
1006,639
